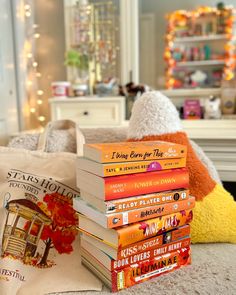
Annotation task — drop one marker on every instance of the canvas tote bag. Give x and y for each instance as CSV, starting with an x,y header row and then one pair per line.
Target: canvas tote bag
x,y
40,251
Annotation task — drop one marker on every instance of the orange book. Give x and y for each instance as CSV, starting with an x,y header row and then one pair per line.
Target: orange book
x,y
138,272
129,234
133,151
146,245
132,216
112,264
117,187
131,203
122,168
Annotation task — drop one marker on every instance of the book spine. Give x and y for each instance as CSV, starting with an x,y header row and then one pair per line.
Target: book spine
x,y
123,168
128,217
150,254
145,270
155,242
142,183
140,231
148,151
121,205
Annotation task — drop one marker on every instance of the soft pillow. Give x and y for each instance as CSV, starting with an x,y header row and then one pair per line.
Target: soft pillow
x,y
154,117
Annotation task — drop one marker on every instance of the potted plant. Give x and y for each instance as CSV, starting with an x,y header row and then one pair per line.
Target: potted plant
x,y
79,62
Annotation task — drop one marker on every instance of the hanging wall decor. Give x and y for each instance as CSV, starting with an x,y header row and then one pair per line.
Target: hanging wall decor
x,y
93,37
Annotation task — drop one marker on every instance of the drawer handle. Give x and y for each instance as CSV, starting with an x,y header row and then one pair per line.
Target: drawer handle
x,y
85,113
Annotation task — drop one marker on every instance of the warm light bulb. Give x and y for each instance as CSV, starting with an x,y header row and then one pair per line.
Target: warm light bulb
x,y
28,13
39,101
35,64
40,92
32,110
41,118
27,6
38,75
29,55
29,82
36,35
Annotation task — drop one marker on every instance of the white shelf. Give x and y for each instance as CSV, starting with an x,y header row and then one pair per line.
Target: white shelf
x,y
207,129
200,63
210,129
85,99
199,92
201,38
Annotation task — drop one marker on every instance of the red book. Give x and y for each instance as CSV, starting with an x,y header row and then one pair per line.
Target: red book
x,y
118,187
112,264
138,272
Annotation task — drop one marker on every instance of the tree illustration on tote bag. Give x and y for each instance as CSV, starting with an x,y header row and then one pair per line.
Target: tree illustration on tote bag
x,y
61,232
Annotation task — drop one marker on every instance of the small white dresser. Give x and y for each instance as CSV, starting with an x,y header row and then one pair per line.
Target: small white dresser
x,y
90,111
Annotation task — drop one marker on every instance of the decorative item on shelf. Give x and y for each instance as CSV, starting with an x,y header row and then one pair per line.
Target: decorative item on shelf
x,y
192,109
198,78
228,97
221,20
195,26
132,91
60,89
107,88
198,30
79,62
216,77
209,28
212,108
177,54
207,52
80,90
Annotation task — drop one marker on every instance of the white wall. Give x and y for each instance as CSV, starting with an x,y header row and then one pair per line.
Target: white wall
x,y
50,47
8,90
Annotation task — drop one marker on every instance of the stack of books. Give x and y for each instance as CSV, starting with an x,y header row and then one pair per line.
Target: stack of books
x,y
134,210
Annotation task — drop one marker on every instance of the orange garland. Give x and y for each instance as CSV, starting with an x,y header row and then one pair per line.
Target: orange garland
x,y
181,17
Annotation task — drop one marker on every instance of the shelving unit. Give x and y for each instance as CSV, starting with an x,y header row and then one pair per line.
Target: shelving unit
x,y
200,40
205,38
200,63
187,34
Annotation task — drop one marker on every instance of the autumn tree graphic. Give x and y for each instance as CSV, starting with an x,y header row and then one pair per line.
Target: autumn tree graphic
x,y
61,233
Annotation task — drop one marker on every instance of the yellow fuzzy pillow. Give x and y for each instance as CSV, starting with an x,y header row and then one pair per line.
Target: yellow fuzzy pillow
x,y
154,117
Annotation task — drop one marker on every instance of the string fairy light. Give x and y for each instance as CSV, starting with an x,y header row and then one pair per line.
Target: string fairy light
x,y
32,110
41,118
181,18
35,95
35,64
36,35
27,10
40,92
